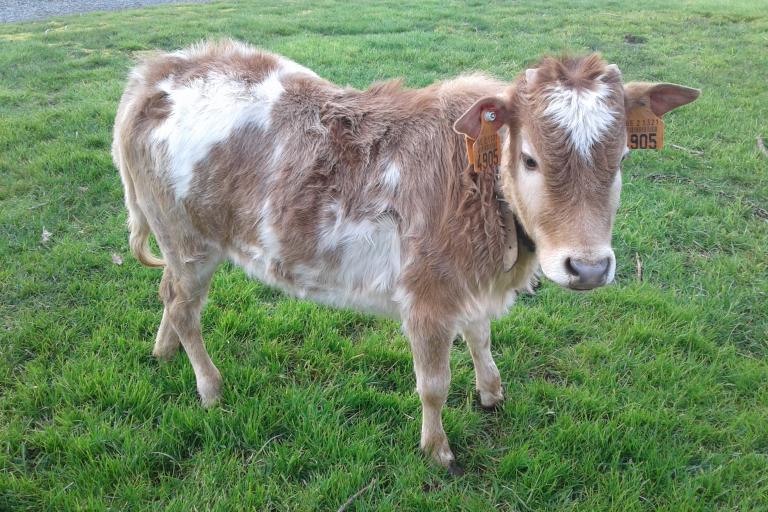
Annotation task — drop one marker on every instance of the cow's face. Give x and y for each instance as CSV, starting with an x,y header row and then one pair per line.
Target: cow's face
x,y
565,184
561,163
568,208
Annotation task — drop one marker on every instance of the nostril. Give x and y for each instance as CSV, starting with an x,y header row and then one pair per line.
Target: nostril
x,y
570,268
588,272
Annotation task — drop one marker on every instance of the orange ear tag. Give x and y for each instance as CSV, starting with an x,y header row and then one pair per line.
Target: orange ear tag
x,y
485,151
644,129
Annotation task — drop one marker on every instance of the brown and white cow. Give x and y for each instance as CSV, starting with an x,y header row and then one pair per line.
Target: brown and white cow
x,y
361,199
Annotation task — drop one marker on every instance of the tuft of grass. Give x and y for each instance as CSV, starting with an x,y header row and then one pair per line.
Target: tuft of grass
x,y
647,395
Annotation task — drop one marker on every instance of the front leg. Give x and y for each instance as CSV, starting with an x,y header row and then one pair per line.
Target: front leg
x,y
431,362
487,379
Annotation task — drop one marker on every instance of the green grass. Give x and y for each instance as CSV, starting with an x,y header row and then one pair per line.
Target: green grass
x,y
647,395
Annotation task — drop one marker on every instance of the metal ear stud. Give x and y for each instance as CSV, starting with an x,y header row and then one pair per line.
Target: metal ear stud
x,y
489,115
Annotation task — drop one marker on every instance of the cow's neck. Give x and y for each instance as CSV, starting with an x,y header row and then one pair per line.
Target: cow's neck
x,y
523,240
482,223
510,217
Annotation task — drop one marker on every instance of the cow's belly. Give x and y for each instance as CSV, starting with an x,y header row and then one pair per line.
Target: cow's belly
x,y
356,268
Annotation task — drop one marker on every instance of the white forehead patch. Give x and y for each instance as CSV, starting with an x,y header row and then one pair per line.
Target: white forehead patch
x,y
583,113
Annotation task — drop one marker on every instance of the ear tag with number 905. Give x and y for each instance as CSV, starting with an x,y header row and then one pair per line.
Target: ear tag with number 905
x,y
645,130
486,149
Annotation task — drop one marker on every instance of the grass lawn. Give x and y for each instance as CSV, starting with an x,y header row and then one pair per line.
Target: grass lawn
x,y
646,395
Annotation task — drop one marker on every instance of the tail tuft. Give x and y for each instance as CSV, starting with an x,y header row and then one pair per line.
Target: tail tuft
x,y
137,221
139,242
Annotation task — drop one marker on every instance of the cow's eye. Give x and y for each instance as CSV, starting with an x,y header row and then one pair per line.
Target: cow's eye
x,y
529,162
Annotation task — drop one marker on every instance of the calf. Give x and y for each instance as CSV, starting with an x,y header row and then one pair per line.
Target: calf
x,y
363,199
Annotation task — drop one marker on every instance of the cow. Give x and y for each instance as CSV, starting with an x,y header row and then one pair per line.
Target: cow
x,y
364,199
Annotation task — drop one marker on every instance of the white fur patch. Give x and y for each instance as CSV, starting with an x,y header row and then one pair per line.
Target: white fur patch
x,y
288,66
267,235
278,153
208,110
370,251
391,177
583,113
364,276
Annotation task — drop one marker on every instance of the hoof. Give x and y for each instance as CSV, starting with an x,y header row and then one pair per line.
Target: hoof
x,y
491,401
492,408
165,354
454,469
443,456
208,402
210,391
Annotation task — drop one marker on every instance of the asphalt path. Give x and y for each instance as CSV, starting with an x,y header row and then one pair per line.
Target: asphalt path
x,y
28,10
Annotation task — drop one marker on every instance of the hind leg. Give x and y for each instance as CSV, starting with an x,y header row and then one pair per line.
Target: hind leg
x,y
167,341
186,293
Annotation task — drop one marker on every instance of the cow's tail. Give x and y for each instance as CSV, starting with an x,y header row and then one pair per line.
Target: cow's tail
x,y
137,221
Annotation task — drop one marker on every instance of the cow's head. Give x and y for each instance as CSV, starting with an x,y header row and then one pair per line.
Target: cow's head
x,y
560,167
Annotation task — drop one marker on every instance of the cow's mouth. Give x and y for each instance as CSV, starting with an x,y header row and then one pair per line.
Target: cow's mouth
x,y
584,287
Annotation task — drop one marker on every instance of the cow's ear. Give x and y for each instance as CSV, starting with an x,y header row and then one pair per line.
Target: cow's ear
x,y
469,122
661,98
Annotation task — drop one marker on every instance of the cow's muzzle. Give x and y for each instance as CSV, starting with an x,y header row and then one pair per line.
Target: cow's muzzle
x,y
586,275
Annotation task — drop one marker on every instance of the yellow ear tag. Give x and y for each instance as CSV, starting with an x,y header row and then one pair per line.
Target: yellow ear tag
x,y
644,129
485,151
